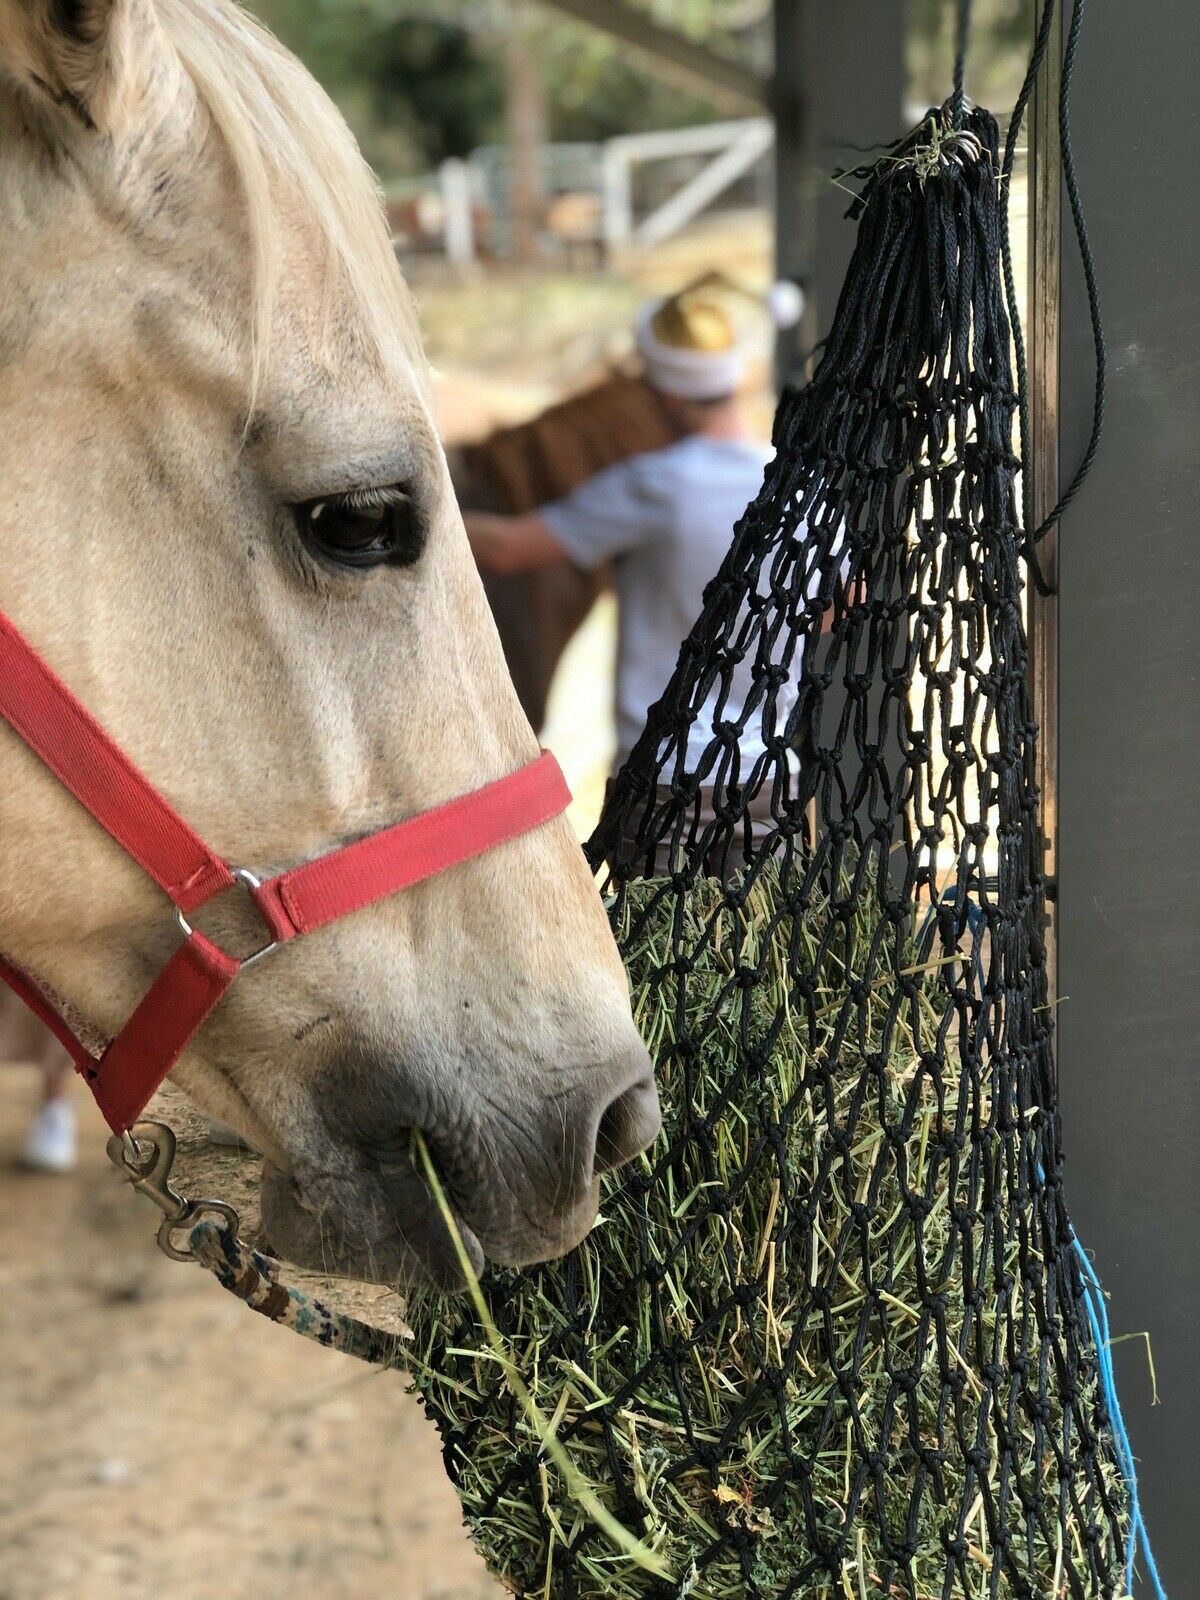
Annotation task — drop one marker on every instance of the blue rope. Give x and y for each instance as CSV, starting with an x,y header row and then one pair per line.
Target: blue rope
x,y
1094,1304
1097,1312
976,924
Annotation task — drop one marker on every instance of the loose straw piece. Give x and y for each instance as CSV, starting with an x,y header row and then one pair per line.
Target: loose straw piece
x,y
584,1494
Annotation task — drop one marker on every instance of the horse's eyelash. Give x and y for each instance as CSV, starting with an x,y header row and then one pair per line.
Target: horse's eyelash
x,y
368,499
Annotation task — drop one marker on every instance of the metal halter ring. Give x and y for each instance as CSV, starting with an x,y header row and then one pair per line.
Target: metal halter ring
x,y
250,882
961,139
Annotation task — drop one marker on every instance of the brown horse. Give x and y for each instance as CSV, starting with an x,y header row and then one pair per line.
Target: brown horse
x,y
227,523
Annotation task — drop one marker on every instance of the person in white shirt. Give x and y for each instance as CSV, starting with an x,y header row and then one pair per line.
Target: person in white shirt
x,y
664,519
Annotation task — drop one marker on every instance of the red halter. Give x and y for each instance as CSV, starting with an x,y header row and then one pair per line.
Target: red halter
x,y
46,715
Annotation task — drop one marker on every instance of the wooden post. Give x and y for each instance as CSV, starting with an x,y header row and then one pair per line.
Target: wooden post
x,y
616,199
525,114
1044,232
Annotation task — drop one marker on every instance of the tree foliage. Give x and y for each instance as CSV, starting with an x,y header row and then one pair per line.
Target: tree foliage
x,y
419,82
423,79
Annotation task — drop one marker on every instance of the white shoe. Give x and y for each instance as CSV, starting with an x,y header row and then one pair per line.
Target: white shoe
x,y
50,1143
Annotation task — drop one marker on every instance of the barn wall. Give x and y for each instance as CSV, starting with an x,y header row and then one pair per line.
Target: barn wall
x,y
1129,738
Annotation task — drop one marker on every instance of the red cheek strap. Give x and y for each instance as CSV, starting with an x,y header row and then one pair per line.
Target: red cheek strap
x,y
382,864
48,718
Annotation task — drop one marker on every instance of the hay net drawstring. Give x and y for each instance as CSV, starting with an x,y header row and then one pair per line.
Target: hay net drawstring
x,y
829,1337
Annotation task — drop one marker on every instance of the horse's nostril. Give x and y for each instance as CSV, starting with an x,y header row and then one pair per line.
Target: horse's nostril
x,y
630,1123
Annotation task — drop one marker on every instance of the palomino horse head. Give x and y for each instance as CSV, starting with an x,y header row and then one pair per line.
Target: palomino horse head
x,y
227,523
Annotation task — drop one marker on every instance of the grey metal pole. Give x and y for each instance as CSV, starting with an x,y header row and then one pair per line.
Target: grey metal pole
x,y
1129,754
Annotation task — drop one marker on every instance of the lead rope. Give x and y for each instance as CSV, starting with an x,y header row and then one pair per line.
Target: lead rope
x,y
145,1157
254,1278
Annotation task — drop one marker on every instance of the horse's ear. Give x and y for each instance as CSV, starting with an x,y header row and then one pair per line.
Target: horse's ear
x,y
98,59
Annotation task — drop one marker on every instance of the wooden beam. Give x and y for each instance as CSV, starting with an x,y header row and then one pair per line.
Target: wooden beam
x,y
672,55
1043,277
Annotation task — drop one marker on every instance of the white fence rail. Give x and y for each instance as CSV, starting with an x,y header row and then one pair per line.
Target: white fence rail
x,y
462,192
738,151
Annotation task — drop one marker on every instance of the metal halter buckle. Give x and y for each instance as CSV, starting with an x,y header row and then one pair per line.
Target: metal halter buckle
x,y
250,882
145,1155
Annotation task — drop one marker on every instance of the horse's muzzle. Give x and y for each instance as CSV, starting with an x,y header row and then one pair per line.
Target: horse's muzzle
x,y
380,1229
518,1184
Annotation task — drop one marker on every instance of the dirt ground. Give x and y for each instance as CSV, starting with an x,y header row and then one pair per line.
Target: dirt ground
x,y
159,1439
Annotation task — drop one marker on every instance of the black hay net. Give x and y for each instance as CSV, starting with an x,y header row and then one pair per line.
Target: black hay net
x,y
828,1340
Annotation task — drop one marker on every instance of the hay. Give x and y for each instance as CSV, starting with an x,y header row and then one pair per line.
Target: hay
x,y
820,1122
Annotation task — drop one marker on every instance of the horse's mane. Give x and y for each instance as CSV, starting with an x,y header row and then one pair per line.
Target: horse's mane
x,y
276,120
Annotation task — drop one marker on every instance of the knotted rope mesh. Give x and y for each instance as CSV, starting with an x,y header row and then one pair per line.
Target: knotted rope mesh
x,y
828,1339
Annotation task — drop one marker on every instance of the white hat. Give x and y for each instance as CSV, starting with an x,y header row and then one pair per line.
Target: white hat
x,y
690,347
690,343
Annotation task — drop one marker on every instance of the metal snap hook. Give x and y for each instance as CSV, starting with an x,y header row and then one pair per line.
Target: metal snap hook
x,y
193,1210
145,1155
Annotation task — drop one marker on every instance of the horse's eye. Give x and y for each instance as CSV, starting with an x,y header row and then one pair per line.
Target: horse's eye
x,y
369,528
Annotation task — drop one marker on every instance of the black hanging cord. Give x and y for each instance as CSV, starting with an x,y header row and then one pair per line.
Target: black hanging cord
x,y
962,34
1035,534
1089,275
1015,124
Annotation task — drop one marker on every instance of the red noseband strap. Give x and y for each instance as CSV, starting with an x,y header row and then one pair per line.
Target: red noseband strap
x,y
57,728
